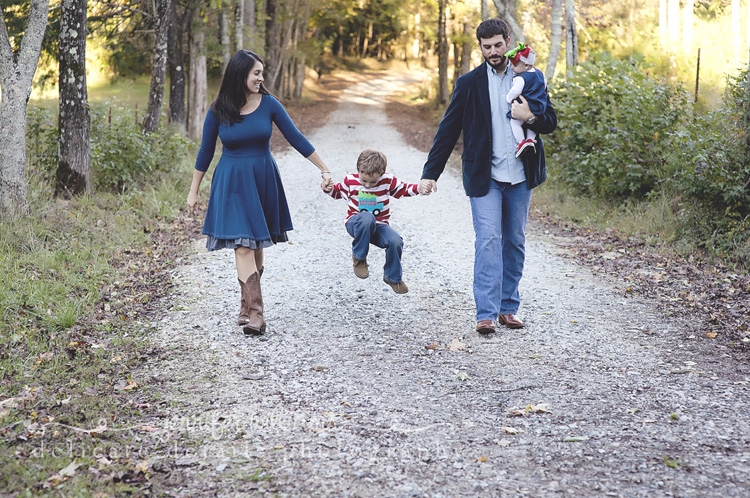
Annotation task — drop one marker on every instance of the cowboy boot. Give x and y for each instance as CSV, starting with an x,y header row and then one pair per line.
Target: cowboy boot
x,y
244,306
244,300
256,323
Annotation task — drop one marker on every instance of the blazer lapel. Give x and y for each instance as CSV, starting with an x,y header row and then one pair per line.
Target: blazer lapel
x,y
483,90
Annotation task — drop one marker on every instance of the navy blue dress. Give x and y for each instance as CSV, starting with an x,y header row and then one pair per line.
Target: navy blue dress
x,y
534,91
247,206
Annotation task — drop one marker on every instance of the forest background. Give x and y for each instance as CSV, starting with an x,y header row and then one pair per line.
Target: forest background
x,y
653,99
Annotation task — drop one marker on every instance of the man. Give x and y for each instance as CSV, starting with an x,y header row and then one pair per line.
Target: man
x,y
498,184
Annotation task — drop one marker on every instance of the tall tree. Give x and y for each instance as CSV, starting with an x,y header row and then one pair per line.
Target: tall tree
x,y
17,68
556,39
673,23
74,122
736,34
663,31
224,40
197,82
443,91
571,38
466,47
506,12
239,24
484,12
158,66
687,26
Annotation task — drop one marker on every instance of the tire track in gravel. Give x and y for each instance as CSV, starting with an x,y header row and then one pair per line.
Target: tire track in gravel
x,y
342,398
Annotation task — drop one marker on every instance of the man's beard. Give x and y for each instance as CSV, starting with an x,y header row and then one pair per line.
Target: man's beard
x,y
497,63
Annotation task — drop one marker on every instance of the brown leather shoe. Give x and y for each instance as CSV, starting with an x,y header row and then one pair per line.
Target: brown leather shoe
x,y
399,288
360,267
510,321
485,326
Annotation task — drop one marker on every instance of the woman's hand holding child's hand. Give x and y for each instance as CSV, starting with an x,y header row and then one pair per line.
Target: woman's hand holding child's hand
x,y
327,185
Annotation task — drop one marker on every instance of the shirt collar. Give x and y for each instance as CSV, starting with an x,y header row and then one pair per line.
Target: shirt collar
x,y
491,71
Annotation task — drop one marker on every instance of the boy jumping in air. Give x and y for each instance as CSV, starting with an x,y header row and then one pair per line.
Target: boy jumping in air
x,y
368,193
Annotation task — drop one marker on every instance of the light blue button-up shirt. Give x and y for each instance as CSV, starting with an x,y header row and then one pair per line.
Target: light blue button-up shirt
x,y
505,167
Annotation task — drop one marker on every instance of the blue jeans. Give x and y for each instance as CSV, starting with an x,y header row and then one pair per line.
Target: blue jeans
x,y
365,231
499,248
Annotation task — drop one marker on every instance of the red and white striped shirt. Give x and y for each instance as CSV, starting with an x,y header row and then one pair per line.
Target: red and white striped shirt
x,y
375,199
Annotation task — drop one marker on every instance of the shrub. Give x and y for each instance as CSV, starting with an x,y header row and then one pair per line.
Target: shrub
x,y
122,157
711,161
613,120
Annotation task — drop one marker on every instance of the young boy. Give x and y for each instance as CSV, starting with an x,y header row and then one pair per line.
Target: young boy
x,y
368,194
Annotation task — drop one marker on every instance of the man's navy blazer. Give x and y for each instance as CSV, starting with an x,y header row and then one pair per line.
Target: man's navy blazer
x,y
469,112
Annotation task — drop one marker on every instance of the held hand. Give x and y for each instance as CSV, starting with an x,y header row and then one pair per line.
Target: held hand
x,y
521,111
192,201
326,185
426,187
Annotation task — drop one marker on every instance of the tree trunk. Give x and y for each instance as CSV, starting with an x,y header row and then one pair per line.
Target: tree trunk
x,y
224,40
443,94
273,67
485,12
736,33
74,123
556,39
687,26
466,49
571,38
506,14
673,23
663,22
176,61
158,67
16,76
197,84
239,24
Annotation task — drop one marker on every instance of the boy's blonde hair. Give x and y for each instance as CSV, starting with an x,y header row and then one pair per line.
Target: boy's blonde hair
x,y
371,162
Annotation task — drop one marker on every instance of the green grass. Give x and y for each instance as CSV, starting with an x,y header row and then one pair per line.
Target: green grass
x,y
71,284
655,220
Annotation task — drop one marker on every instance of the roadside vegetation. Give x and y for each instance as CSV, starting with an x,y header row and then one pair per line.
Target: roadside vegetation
x,y
79,281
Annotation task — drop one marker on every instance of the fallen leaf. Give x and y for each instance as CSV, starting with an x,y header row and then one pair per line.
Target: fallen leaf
x,y
320,368
512,430
70,470
481,459
461,376
675,464
710,335
431,345
456,345
575,439
142,466
540,408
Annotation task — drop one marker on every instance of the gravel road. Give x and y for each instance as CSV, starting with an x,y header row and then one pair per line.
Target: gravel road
x,y
356,391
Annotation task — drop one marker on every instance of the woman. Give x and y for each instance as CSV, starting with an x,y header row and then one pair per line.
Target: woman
x,y
247,208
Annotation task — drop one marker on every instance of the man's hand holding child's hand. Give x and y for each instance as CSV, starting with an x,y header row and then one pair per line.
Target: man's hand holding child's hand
x,y
427,186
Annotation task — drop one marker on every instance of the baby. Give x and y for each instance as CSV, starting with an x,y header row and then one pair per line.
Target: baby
x,y
368,193
531,83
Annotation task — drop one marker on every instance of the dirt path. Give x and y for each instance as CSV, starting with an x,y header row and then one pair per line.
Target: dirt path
x,y
357,391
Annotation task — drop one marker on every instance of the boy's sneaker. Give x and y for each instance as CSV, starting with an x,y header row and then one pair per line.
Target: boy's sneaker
x,y
399,288
524,147
360,267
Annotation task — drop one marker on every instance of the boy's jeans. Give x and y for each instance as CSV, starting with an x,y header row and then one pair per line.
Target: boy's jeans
x,y
499,248
365,231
